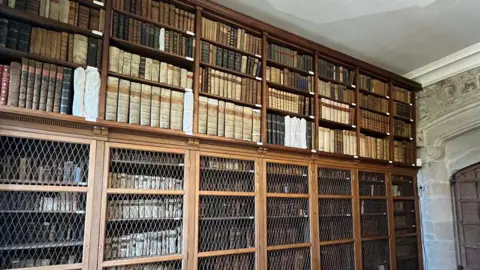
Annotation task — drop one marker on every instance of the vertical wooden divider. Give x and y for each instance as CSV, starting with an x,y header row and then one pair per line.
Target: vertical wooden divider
x,y
191,213
105,56
357,233
413,101
390,118
87,244
263,138
260,233
418,224
196,68
391,223
263,265
194,230
357,110
314,224
316,102
103,205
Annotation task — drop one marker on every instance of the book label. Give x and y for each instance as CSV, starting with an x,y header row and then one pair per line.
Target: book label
x,y
387,97
388,113
98,33
410,104
353,86
390,161
388,133
411,120
411,139
355,157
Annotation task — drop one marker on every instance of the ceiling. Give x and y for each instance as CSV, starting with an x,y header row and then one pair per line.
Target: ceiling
x,y
398,35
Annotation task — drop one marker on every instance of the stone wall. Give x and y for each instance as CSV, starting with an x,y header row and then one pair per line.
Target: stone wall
x,y
448,137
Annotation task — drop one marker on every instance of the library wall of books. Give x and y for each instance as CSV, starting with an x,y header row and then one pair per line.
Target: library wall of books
x,y
178,134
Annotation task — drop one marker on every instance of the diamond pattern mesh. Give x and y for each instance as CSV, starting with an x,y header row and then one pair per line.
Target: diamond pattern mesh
x,y
38,162
169,265
41,228
223,174
289,259
287,221
402,186
137,169
285,178
334,182
407,253
337,257
374,219
372,184
335,219
226,223
375,255
228,262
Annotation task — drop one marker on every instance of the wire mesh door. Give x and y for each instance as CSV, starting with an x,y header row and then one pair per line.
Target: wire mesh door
x,y
144,209
335,218
288,216
226,213
404,204
43,201
407,253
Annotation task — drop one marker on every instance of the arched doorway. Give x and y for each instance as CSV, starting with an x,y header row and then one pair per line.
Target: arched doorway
x,y
466,190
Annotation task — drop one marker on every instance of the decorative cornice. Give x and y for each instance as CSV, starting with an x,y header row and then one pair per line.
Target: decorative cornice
x,y
448,66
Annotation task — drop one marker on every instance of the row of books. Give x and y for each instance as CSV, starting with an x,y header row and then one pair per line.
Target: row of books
x,y
374,121
218,207
329,207
125,180
215,236
371,189
139,157
289,78
373,207
400,206
369,177
65,11
230,86
336,72
231,36
402,110
325,173
400,128
146,105
135,208
146,244
287,170
48,230
401,94
402,152
374,103
36,85
229,59
400,190
242,182
44,202
160,12
289,131
296,259
373,85
280,184
289,57
335,91
137,66
337,112
290,102
226,164
228,120
374,226
375,148
14,35
149,35
38,262
337,141
335,229
288,231
288,208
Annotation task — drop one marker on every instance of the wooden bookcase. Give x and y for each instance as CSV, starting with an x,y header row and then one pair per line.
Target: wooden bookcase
x,y
324,189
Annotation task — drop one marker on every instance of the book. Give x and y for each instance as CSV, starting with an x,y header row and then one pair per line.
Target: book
x,y
212,116
80,49
92,52
58,90
155,107
14,84
221,119
37,85
176,108
247,123
4,84
12,34
145,104
123,100
256,125
3,31
22,94
111,102
134,112
113,62
67,92
165,108
52,76
238,112
24,37
202,114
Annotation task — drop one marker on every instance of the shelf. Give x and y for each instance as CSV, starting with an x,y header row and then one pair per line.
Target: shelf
x,y
123,262
226,193
39,188
42,183
373,197
144,191
144,219
226,218
373,238
79,212
405,227
158,24
290,246
289,149
139,128
289,89
402,138
234,101
288,195
403,102
340,197
335,155
225,252
364,91
373,214
294,69
404,119
323,78
226,70
374,111
400,198
405,235
287,174
334,215
92,4
374,133
39,21
371,181
226,170
405,258
375,160
287,217
14,54
149,82
230,48
335,125
147,163
41,245
336,242
285,113
351,104
171,58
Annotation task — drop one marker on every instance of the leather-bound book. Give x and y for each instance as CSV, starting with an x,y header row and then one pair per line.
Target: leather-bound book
x,y
202,114
238,122
134,112
114,53
92,52
155,11
163,72
64,11
3,32
256,125
80,49
14,84
36,85
155,70
141,70
131,30
221,119
212,116
176,107
135,66
148,68
151,37
64,46
190,80
42,103
51,88
12,36
176,76
22,94
30,84
116,24
54,12
123,100
57,101
52,52
45,42
67,92
126,27
127,63
72,10
155,108
170,73
165,104
4,84
112,99
83,16
145,105
24,37
33,6
247,123
98,63
229,120
94,23
70,47
21,4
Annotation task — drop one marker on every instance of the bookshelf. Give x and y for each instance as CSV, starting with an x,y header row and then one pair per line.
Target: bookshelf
x,y
143,207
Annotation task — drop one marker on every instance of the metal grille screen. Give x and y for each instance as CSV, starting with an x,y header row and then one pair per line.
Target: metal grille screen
x,y
375,255
335,219
289,259
224,174
337,257
228,262
374,219
287,221
371,184
285,178
334,182
407,253
170,265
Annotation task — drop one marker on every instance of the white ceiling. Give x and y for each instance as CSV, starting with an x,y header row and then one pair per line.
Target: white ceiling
x,y
398,35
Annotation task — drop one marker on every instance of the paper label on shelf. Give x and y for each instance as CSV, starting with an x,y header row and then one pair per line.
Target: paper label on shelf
x,y
355,157
91,119
98,3
388,133
387,97
189,58
314,151
258,78
410,104
257,55
354,104
354,126
411,139
388,113
411,120
258,105
97,32
353,86
312,117
259,143
390,161
188,90
312,93
190,33
311,73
